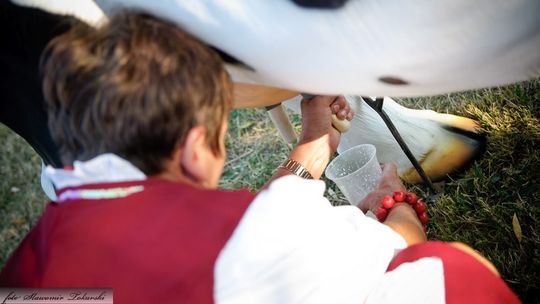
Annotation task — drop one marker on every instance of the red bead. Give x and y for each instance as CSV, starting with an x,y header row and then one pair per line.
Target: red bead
x,y
411,198
399,196
388,202
424,219
420,207
381,214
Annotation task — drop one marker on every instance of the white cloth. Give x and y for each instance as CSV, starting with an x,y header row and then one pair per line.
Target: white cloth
x,y
46,184
292,246
104,168
421,281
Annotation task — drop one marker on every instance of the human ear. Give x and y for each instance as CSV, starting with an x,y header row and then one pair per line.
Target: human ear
x,y
194,153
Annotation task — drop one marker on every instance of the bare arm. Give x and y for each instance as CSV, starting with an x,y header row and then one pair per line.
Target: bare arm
x,y
318,140
402,218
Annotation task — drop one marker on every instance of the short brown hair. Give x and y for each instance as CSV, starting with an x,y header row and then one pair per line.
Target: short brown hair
x,y
133,87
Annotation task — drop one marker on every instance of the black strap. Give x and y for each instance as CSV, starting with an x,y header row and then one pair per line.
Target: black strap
x,y
377,105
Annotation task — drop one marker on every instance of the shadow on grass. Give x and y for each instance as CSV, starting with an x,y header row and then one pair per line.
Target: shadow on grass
x,y
478,206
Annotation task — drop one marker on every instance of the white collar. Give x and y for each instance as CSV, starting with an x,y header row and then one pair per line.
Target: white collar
x,y
104,168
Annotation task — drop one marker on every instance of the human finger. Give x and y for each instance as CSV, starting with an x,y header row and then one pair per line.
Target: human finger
x,y
340,107
390,180
340,125
389,170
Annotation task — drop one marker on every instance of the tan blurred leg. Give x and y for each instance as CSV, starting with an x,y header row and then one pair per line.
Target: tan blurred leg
x,y
258,96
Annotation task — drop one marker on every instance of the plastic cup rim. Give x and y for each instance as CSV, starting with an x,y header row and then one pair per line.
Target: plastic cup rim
x,y
348,150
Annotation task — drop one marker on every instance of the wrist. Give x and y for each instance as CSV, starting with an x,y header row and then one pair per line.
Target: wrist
x,y
406,215
406,204
295,168
404,221
314,156
402,210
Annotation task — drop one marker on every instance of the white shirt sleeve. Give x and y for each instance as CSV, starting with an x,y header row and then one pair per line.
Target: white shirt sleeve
x,y
421,281
293,246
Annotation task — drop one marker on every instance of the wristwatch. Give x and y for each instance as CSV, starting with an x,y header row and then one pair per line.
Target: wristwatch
x,y
296,168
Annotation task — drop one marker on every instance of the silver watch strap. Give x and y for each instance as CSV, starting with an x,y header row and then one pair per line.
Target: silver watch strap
x,y
296,168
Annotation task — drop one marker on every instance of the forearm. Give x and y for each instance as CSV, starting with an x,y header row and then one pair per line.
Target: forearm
x,y
313,155
403,220
318,140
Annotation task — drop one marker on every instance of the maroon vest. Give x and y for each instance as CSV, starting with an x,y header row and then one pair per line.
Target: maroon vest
x,y
159,245
466,280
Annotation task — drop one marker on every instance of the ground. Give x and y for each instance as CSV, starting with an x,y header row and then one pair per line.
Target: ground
x,y
484,206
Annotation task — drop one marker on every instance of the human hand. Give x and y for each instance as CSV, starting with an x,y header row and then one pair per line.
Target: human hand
x,y
317,120
388,184
318,140
402,219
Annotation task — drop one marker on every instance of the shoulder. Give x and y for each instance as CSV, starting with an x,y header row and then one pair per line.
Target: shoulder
x,y
296,190
174,191
438,272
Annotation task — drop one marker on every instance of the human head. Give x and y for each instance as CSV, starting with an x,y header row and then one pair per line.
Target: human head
x,y
134,87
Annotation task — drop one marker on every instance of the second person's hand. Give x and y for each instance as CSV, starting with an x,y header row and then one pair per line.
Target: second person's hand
x,y
317,119
319,139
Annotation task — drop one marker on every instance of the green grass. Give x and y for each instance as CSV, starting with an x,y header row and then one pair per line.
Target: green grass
x,y
476,208
479,204
21,198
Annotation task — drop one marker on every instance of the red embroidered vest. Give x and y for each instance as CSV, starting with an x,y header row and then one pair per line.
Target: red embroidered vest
x,y
155,246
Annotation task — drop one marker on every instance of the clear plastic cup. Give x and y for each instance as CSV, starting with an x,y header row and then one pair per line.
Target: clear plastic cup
x,y
356,172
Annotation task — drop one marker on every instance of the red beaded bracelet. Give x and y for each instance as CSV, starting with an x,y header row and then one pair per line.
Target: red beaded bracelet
x,y
411,198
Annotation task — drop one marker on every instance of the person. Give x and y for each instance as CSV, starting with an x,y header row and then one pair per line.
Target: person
x,y
139,111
